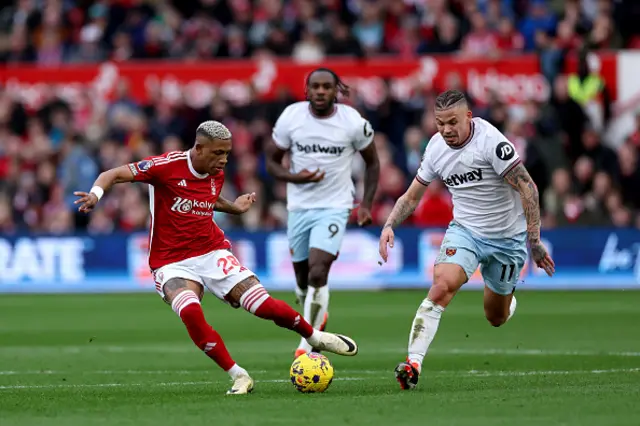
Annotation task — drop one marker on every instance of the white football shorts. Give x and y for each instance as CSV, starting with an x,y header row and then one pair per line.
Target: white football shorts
x,y
219,271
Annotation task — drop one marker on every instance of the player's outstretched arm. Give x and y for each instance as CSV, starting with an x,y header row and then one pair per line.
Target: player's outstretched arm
x,y
406,204
371,178
105,181
241,205
274,156
518,177
403,208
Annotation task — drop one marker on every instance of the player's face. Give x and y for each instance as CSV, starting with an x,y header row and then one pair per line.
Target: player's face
x,y
454,124
322,91
213,154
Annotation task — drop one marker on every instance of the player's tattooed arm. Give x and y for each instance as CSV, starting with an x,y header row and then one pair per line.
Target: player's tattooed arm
x,y
518,177
406,204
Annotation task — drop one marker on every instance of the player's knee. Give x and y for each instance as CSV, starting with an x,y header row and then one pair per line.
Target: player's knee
x,y
242,291
301,269
318,275
175,286
443,288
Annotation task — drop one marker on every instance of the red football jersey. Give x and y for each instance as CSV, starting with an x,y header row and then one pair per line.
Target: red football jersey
x,y
181,202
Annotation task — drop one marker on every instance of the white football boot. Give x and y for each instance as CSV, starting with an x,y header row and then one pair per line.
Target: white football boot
x,y
335,343
242,385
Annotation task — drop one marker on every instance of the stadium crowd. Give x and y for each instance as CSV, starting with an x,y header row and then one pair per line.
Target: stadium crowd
x,y
47,154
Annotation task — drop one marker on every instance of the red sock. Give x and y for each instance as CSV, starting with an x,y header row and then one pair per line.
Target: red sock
x,y
187,306
257,301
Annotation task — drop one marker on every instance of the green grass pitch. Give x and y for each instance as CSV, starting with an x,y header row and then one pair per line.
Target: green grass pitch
x,y
566,358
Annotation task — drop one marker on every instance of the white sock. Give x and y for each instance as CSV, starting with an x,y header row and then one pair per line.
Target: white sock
x,y
315,307
512,307
423,330
314,339
236,371
301,295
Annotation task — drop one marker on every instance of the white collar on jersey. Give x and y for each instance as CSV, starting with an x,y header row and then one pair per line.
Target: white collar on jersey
x,y
335,110
192,170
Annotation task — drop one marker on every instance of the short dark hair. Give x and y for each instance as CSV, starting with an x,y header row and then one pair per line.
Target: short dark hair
x,y
450,99
342,88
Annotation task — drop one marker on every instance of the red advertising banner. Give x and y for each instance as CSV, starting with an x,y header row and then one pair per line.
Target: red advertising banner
x,y
515,78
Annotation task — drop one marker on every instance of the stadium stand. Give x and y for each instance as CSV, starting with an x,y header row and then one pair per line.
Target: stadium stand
x,y
585,178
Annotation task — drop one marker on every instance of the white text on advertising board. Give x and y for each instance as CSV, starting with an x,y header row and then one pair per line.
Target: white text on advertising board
x,y
42,259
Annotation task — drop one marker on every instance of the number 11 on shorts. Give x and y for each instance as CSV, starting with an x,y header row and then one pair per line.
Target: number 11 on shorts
x,y
504,272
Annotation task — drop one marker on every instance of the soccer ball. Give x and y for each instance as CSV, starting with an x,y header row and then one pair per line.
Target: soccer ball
x,y
311,373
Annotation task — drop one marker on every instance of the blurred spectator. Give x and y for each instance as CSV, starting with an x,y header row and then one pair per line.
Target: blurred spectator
x,y
570,117
415,144
551,55
343,43
480,41
93,31
568,39
539,18
603,34
634,138
447,36
309,49
76,168
603,157
409,42
587,88
369,30
629,175
555,196
508,40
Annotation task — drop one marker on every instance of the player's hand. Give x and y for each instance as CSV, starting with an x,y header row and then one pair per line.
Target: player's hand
x,y
386,239
244,202
307,176
542,258
364,216
87,199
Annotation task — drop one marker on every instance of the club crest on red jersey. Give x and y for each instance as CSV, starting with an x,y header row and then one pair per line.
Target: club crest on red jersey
x,y
213,187
450,251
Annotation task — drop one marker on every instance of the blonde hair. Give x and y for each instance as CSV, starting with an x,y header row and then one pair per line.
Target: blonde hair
x,y
214,130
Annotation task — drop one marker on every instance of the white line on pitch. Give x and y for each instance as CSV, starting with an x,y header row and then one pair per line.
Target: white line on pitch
x,y
118,385
470,373
110,372
534,352
549,372
506,373
33,350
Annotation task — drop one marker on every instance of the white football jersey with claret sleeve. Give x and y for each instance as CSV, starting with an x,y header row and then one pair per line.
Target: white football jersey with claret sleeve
x,y
483,201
